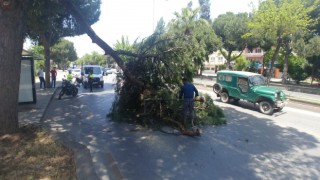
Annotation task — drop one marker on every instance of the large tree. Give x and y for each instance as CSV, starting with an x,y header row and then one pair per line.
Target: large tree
x,y
205,9
279,20
12,28
314,14
47,25
230,28
160,61
14,17
313,57
93,58
197,35
63,52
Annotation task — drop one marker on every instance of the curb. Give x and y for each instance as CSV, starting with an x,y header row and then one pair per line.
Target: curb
x,y
46,108
304,101
82,157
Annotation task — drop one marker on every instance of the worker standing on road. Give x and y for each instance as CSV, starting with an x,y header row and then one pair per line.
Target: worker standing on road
x,y
188,92
90,80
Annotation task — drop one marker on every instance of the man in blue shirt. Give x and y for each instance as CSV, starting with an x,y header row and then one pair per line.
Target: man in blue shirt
x,y
188,92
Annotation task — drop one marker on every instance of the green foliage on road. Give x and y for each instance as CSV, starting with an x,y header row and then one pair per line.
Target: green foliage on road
x,y
156,110
160,61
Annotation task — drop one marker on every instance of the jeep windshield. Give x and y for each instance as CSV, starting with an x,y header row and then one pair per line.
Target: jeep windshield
x,y
257,80
95,70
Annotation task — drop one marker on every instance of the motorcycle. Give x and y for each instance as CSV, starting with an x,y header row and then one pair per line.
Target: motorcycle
x,y
68,88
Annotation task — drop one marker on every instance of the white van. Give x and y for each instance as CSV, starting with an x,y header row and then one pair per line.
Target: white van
x,y
97,74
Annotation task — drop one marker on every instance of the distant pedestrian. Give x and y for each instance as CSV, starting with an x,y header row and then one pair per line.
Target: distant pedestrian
x,y
188,92
53,77
265,72
41,77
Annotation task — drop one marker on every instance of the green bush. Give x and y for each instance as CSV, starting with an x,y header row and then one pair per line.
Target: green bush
x,y
296,69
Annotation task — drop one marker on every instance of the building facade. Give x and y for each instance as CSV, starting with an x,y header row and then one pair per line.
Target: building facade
x,y
216,59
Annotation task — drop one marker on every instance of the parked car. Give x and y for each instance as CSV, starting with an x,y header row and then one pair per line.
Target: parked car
x,y
252,87
97,74
108,70
76,72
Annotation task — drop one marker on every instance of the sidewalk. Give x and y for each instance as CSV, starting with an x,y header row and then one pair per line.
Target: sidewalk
x,y
33,113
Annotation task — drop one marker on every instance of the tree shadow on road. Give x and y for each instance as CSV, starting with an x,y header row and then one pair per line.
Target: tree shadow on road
x,y
266,149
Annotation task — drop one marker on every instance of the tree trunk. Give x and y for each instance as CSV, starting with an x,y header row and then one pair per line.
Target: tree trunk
x,y
274,57
312,74
285,65
96,39
229,60
45,41
11,44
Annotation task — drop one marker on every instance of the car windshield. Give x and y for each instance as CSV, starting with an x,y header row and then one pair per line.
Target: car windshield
x,y
257,80
76,70
95,70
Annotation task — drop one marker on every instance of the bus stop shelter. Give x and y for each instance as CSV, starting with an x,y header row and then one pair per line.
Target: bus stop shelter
x,y
27,91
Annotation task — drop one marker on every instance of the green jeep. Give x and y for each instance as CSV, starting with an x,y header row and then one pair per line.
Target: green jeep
x,y
236,85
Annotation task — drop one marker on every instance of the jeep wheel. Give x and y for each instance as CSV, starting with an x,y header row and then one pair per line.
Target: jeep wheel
x,y
236,100
224,97
217,88
266,107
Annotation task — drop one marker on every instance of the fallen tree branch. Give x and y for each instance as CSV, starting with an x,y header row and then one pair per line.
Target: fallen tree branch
x,y
129,53
182,129
97,40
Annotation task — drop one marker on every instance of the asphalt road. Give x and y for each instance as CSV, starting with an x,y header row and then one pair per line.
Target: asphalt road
x,y
251,145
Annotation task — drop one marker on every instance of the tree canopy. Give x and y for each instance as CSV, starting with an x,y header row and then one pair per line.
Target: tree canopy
x,y
313,57
278,20
205,9
47,25
161,60
42,21
230,28
93,58
63,52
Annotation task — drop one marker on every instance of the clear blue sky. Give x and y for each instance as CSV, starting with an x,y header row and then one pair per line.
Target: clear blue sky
x,y
136,18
